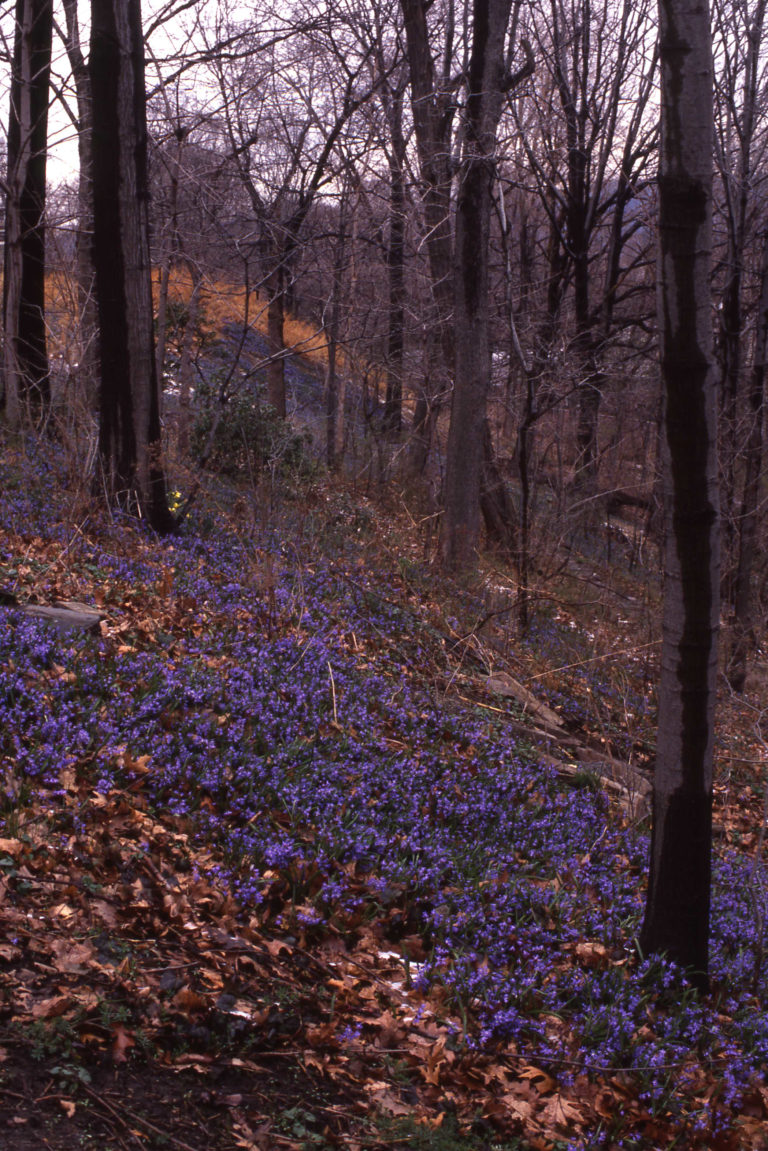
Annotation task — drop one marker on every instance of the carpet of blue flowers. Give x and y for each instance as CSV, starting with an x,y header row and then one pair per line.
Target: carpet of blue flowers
x,y
284,701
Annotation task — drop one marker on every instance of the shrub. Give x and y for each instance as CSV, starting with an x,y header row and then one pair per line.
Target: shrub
x,y
249,439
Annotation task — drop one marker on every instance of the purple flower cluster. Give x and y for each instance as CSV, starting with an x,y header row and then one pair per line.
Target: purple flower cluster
x,y
297,738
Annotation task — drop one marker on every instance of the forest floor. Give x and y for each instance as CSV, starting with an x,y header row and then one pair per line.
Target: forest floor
x,y
305,847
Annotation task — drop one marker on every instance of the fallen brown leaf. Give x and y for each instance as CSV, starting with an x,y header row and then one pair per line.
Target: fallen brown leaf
x,y
387,1101
518,1108
560,1113
72,958
53,1007
122,1041
543,1082
592,954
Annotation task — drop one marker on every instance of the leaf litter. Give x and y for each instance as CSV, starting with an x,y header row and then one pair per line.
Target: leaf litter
x,y
158,984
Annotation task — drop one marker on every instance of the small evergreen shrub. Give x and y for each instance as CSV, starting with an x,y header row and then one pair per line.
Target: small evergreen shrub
x,y
249,439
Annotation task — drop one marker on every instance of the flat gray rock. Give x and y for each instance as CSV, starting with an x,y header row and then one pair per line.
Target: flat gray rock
x,y
65,618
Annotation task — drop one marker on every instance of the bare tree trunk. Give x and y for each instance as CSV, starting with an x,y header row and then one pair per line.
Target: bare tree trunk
x,y
678,900
495,502
571,46
276,341
524,453
590,394
25,356
87,367
129,403
332,387
393,403
738,126
468,441
432,108
163,291
753,463
334,396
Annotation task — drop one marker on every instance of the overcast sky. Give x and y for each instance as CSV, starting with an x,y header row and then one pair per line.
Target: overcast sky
x,y
166,40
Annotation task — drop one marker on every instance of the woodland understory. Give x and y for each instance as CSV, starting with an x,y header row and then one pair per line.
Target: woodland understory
x,y
382,577
306,846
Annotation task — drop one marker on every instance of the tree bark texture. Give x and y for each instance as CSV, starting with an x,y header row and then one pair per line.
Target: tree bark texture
x,y
129,399
393,403
87,368
333,416
738,175
25,352
276,339
460,528
433,109
495,501
743,624
678,899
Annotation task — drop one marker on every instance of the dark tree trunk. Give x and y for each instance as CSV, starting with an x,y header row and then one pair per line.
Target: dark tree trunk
x,y
460,527
332,388
432,112
393,403
590,393
495,503
678,901
588,381
422,428
25,358
333,399
576,114
524,452
129,400
433,108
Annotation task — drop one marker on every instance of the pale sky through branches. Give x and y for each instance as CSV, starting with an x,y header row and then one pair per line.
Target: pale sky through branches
x,y
170,25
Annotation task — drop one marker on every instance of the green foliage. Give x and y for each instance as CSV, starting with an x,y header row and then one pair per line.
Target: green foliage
x,y
585,779
299,1123
249,439
177,318
70,1075
51,1037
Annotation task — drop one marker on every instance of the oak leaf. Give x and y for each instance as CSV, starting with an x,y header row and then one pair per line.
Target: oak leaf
x,y
544,1083
387,1101
517,1107
72,958
559,1112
